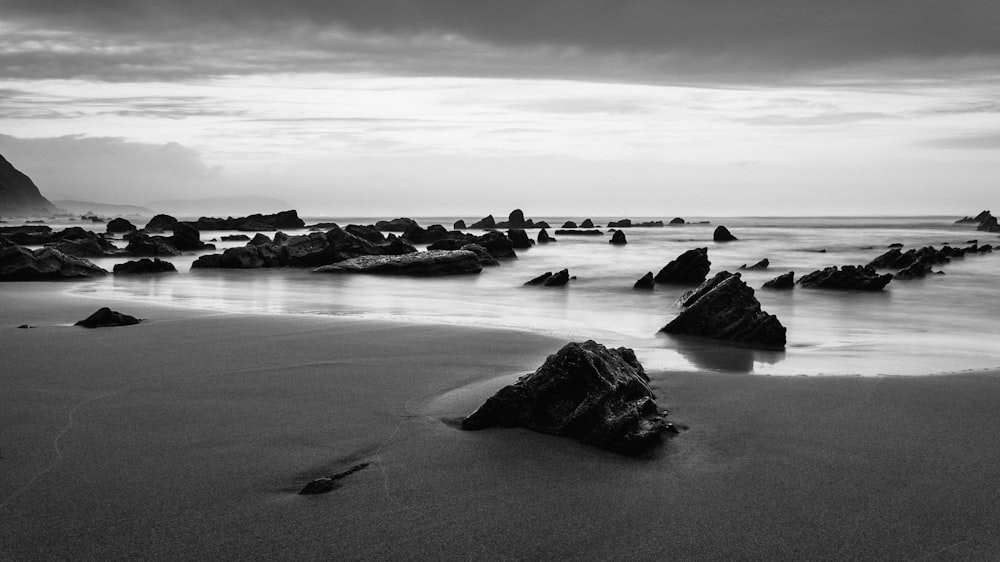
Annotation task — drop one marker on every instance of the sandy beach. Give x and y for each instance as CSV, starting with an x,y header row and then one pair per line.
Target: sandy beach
x,y
187,437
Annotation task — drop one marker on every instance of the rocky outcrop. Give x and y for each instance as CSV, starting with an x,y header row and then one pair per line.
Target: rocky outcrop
x,y
645,282
541,279
759,266
401,224
485,259
989,225
259,240
722,234
431,234
95,247
847,278
18,263
160,223
587,392
976,219
144,266
120,226
285,220
19,196
544,238
309,250
432,263
236,238
484,223
725,308
618,238
107,318
689,268
783,281
623,223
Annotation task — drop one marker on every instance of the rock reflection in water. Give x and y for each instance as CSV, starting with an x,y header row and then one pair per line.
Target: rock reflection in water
x,y
719,356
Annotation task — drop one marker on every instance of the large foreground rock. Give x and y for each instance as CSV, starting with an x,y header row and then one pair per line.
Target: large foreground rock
x,y
689,268
432,263
846,278
586,391
106,318
21,264
725,308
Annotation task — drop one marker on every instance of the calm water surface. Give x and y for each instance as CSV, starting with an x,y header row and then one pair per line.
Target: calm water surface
x,y
944,323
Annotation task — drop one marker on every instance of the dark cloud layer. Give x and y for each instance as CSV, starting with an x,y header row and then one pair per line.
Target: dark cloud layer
x,y
662,40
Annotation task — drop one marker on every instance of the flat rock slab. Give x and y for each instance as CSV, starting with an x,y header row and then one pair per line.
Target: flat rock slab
x,y
431,263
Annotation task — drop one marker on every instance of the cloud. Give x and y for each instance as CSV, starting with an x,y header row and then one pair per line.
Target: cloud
x,y
108,169
637,40
818,120
985,141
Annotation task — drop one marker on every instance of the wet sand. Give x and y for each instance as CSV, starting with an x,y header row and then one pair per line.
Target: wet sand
x,y
188,436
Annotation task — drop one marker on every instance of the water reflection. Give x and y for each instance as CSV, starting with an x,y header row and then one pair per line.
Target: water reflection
x,y
714,355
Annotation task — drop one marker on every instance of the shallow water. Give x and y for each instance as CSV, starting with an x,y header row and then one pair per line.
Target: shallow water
x,y
944,323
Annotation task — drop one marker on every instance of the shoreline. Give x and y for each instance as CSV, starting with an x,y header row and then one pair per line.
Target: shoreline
x,y
188,435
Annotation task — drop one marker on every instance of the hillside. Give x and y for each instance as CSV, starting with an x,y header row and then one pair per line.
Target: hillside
x,y
18,194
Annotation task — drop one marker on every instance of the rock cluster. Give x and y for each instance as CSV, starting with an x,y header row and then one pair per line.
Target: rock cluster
x,y
418,264
549,279
846,278
585,391
18,263
725,308
985,221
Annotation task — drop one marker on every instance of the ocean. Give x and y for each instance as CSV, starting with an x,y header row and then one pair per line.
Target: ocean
x,y
940,324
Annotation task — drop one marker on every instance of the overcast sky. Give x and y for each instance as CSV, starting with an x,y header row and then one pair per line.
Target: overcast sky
x,y
560,107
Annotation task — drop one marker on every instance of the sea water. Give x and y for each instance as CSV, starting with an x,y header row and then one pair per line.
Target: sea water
x,y
943,323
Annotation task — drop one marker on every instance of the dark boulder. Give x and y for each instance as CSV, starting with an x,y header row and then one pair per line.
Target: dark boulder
x,y
591,232
783,281
459,225
569,224
759,266
18,263
587,223
431,234
516,220
485,259
544,238
848,277
540,279
485,223
280,238
725,308
259,240
369,233
722,234
585,391
420,264
107,318
989,225
976,219
645,282
284,220
519,238
677,221
140,244
119,225
689,268
893,259
236,238
188,238
618,238
396,247
498,245
160,223
144,266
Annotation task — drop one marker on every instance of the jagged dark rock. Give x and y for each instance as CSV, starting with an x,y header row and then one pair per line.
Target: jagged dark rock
x,y
916,270
396,247
107,318
144,266
557,279
722,234
420,264
725,308
623,223
759,266
284,220
18,263
498,245
187,238
848,277
120,225
140,244
19,196
485,223
783,281
369,233
540,279
689,268
401,224
618,238
160,223
544,238
519,238
259,240
989,225
485,259
976,219
585,391
460,225
645,282
95,247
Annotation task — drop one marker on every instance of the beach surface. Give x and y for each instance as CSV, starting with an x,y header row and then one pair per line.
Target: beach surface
x,y
188,436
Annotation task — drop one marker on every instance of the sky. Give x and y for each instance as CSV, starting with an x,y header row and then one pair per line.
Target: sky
x,y
465,107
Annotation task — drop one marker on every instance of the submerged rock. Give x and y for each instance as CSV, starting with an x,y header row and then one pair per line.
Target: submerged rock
x,y
421,264
783,281
848,277
759,266
540,279
585,391
106,318
18,263
645,282
725,308
145,266
544,238
689,268
558,279
722,234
